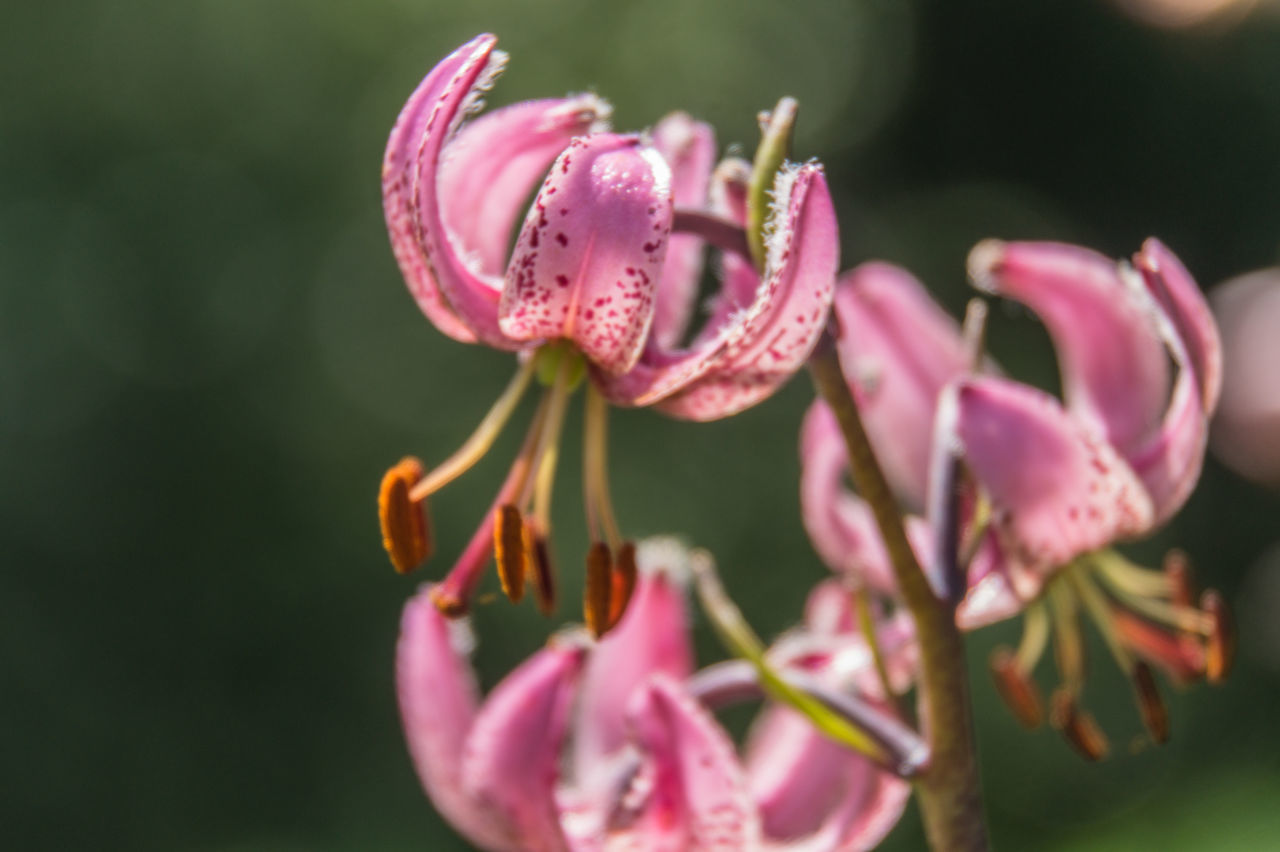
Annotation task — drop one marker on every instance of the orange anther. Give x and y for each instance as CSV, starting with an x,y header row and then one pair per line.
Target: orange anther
x,y
1155,715
622,583
509,550
1221,650
405,532
595,602
1018,690
1078,726
538,568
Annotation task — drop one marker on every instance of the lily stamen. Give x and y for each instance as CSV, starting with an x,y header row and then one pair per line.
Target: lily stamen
x,y
481,440
1220,652
1068,641
406,533
601,520
509,550
598,590
538,567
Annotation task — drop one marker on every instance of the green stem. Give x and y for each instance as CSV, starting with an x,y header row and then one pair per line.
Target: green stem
x,y
950,790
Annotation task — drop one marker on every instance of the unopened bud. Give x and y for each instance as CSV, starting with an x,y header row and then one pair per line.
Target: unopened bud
x,y
1155,715
406,535
509,550
1221,650
595,602
1018,691
1078,726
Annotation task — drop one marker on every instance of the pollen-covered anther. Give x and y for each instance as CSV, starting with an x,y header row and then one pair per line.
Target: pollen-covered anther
x,y
538,567
1155,715
1078,726
599,589
509,550
622,582
1180,655
1016,688
406,533
1221,648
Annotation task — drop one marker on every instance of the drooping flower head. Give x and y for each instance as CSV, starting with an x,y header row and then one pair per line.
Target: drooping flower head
x,y
1046,487
612,744
602,282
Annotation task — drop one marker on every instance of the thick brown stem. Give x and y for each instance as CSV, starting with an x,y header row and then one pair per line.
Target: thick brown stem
x,y
949,791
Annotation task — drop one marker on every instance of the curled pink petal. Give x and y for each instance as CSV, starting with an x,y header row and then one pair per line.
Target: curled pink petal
x,y
692,796
839,524
689,147
490,168
755,350
438,699
813,794
899,349
459,301
1056,489
1192,323
651,638
511,759
1114,367
588,259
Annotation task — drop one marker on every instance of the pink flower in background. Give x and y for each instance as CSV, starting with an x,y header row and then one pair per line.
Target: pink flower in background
x,y
605,746
1246,431
603,279
1117,460
1047,486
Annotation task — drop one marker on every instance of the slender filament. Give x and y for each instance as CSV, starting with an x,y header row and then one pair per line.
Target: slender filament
x,y
1068,644
482,439
1035,636
595,470
1100,611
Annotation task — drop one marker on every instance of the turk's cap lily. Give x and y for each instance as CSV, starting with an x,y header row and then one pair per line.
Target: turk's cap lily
x,y
1117,458
597,262
610,745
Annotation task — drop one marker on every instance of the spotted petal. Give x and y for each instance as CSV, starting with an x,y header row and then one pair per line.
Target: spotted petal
x,y
1115,373
511,760
588,259
1057,490
755,350
438,699
690,794
492,165
689,147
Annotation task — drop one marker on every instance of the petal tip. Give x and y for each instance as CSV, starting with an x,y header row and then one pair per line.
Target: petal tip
x,y
984,263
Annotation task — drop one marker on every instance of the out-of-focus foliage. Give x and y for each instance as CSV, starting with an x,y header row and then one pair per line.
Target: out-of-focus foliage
x,y
207,358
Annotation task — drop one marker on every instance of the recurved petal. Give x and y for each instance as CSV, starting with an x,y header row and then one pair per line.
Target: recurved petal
x,y
839,524
689,147
753,351
460,302
691,795
491,166
1056,489
1170,463
1114,368
898,348
652,638
588,259
814,795
1188,313
437,695
511,759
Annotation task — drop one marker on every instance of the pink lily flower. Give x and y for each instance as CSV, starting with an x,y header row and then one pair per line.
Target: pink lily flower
x,y
1050,485
609,746
602,280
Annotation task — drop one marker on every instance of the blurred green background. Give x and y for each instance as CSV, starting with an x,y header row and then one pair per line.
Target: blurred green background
x,y
207,360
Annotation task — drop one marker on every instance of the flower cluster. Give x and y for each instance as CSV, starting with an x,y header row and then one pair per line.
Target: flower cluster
x,y
607,738
1044,487
603,280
